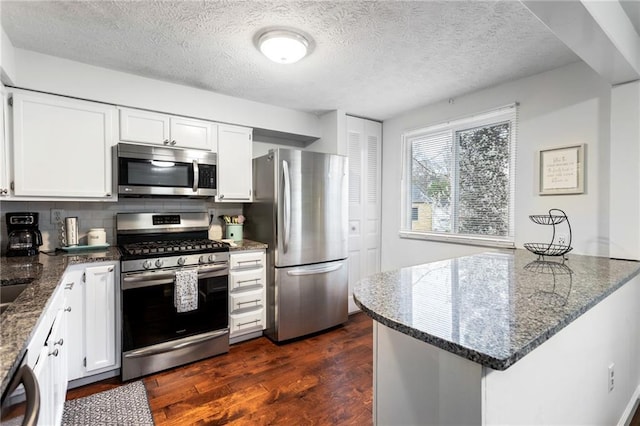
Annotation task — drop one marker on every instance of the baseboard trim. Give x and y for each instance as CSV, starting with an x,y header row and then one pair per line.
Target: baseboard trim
x,y
629,411
92,379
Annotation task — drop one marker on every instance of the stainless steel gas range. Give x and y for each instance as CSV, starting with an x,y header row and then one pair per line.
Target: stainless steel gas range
x,y
159,330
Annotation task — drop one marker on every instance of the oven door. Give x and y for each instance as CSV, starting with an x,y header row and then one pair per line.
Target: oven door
x,y
156,336
146,170
149,314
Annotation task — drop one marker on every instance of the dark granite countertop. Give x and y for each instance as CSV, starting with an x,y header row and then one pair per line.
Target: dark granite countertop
x,y
21,318
491,308
248,245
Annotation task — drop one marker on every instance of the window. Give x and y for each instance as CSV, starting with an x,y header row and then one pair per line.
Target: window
x,y
459,179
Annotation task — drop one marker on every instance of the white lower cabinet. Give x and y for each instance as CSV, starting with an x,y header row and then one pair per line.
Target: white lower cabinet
x,y
93,306
47,357
247,295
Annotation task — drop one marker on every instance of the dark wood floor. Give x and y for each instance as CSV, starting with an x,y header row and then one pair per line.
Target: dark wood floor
x,y
322,380
635,421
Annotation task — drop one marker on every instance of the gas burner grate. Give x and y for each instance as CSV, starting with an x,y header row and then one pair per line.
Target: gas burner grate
x,y
173,246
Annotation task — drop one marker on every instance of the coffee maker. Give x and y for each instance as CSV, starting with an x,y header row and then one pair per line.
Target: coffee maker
x,y
24,235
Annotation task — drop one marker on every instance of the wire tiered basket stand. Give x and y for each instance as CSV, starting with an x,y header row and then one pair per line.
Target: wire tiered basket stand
x,y
555,247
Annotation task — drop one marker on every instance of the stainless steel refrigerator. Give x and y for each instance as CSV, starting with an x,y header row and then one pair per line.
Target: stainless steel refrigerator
x,y
300,210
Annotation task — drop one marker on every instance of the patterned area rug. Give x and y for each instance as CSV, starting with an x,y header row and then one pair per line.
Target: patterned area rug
x,y
125,405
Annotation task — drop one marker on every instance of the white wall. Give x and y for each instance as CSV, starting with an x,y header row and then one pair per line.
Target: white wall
x,y
334,134
37,71
333,141
625,171
7,58
564,381
566,106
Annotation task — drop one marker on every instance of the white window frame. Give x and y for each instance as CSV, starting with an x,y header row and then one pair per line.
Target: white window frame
x,y
496,116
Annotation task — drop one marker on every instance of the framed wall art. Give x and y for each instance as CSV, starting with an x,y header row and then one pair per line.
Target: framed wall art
x,y
561,170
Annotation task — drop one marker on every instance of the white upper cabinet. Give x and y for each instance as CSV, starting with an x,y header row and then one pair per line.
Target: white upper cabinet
x,y
144,127
61,148
162,129
190,133
235,164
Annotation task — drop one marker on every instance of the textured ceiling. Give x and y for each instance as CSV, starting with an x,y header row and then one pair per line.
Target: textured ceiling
x,y
374,59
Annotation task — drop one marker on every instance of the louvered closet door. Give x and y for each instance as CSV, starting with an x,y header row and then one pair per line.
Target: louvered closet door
x,y
364,138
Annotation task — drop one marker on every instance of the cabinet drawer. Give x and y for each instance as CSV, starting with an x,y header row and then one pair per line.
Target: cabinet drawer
x,y
246,260
247,301
246,322
250,279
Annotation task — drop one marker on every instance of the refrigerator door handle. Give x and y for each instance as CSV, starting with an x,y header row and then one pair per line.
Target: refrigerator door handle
x,y
314,271
287,204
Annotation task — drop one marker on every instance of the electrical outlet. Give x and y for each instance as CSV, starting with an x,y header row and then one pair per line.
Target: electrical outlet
x,y
612,377
562,239
57,215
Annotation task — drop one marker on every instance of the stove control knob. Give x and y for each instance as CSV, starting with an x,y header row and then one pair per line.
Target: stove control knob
x,y
212,257
147,264
159,263
203,259
181,261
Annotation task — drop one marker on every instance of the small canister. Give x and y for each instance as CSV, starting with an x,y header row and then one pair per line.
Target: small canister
x,y
96,236
234,231
71,231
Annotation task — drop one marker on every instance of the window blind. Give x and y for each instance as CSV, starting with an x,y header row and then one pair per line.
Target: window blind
x,y
460,177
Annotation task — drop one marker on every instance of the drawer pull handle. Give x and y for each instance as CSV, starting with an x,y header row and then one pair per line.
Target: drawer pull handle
x,y
59,342
69,286
249,301
67,309
256,261
54,353
247,323
249,281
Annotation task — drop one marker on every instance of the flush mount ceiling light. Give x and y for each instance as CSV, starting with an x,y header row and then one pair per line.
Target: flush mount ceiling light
x,y
283,46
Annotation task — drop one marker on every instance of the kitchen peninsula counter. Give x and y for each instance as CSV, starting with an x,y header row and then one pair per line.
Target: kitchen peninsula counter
x,y
43,274
490,310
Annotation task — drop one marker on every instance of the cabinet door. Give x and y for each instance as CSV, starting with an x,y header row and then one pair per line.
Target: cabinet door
x,y
58,354
235,167
144,127
100,317
4,147
62,147
74,307
364,138
44,375
189,133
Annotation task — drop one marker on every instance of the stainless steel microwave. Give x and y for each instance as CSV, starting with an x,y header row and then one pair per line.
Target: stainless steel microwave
x,y
145,170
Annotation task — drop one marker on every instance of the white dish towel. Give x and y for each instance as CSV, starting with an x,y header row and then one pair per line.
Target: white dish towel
x,y
185,293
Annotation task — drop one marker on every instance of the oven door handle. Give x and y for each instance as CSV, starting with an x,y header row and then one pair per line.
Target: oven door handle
x,y
171,346
147,279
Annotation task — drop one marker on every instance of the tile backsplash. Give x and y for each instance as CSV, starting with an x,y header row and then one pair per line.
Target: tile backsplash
x,y
103,215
